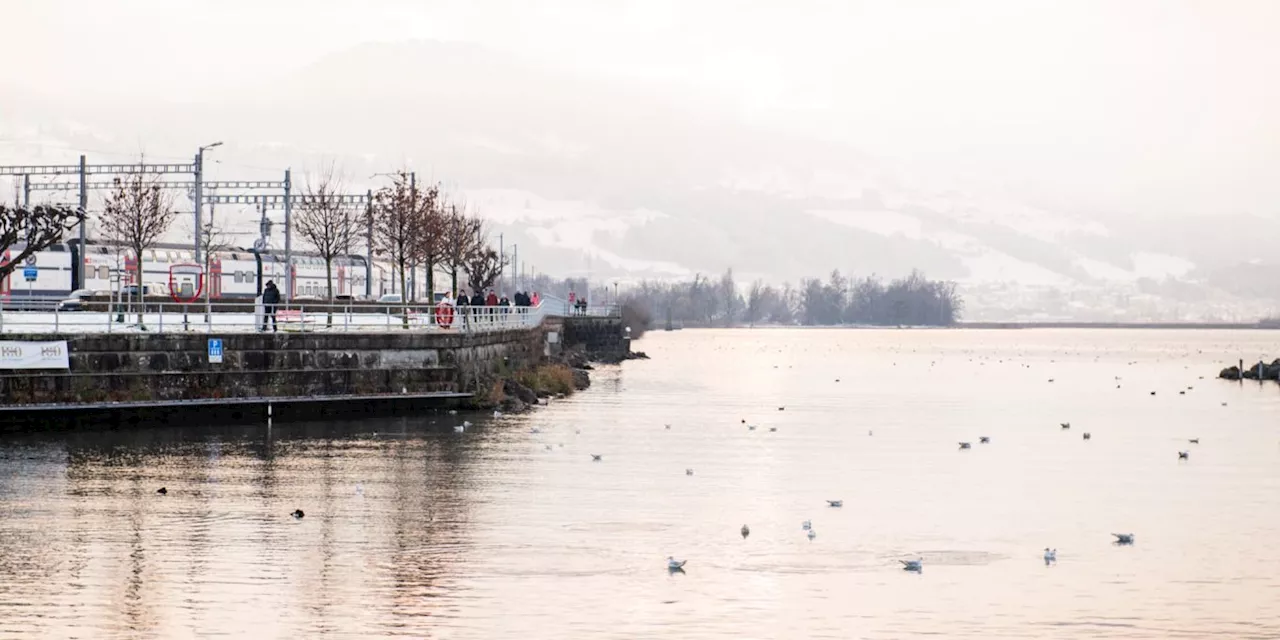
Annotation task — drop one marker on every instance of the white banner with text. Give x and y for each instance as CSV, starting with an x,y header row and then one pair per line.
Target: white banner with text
x,y
33,355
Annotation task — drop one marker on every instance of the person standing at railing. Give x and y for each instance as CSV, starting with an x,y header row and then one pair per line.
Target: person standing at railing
x,y
461,305
477,306
270,298
491,305
533,302
504,307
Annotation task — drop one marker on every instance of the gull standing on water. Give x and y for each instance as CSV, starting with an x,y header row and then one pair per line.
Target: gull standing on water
x,y
964,445
746,531
836,503
806,525
675,565
1123,538
597,457
912,565
1050,555
812,534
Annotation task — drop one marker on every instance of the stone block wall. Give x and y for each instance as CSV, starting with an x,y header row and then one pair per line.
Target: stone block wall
x,y
600,336
149,367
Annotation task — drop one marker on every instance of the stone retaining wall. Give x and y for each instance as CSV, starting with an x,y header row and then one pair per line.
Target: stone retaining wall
x,y
142,367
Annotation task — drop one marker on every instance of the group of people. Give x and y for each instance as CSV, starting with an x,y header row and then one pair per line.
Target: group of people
x,y
521,299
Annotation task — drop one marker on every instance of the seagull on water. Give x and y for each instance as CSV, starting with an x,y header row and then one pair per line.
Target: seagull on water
x,y
751,427
812,534
497,414
1050,555
772,429
668,427
836,503
806,525
297,513
1184,455
1194,440
162,491
1066,425
675,565
964,445
1087,435
466,423
535,430
688,472
460,428
597,457
1123,538
912,565
984,440
548,447
746,531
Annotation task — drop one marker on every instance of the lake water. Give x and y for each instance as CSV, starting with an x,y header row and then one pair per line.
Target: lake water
x,y
413,530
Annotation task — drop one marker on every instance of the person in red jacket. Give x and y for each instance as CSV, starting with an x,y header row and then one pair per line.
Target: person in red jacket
x,y
491,302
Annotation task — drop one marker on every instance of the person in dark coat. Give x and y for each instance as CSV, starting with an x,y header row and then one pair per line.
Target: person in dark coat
x,y
270,298
477,299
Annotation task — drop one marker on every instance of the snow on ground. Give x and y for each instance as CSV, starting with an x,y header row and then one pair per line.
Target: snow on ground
x,y
20,322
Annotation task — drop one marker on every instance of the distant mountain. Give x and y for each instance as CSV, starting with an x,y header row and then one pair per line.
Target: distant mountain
x,y
589,175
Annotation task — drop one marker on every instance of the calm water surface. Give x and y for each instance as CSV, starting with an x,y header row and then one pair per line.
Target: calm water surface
x,y
413,530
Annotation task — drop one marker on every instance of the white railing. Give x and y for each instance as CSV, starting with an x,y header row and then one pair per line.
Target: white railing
x,y
246,317
562,307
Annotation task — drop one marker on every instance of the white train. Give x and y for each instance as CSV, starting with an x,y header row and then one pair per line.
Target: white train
x,y
233,273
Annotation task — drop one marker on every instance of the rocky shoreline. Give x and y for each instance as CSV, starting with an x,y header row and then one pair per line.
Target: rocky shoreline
x,y
1259,371
558,377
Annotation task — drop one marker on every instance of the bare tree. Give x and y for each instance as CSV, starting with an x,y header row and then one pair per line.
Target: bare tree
x,y
429,243
463,236
324,222
135,216
35,229
755,302
213,239
395,225
484,267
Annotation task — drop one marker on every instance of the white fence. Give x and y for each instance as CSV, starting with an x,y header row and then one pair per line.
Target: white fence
x,y
224,317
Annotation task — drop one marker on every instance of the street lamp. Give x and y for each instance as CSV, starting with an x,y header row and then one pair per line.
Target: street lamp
x,y
199,167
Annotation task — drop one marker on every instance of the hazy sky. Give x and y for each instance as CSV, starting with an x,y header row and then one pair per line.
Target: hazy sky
x,y
1148,105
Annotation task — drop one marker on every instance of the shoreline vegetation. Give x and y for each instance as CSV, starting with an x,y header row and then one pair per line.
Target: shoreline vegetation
x,y
838,301
521,390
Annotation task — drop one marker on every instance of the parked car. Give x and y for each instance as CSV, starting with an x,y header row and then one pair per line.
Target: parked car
x,y
75,301
153,289
391,298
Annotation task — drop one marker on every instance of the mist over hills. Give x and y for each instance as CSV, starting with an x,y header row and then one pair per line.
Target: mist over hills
x,y
621,181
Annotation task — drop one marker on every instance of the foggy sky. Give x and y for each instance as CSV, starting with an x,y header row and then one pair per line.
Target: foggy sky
x,y
1147,106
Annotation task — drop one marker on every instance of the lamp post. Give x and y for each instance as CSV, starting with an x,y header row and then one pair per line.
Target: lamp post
x,y
199,189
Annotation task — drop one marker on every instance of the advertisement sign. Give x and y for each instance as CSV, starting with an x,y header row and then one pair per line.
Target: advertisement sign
x,y
33,355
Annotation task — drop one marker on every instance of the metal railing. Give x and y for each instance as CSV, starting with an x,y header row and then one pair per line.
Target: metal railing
x,y
562,307
248,317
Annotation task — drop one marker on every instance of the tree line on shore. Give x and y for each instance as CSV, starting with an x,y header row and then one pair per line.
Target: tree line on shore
x,y
838,300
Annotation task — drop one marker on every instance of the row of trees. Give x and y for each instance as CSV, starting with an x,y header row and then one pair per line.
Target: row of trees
x,y
409,226
839,300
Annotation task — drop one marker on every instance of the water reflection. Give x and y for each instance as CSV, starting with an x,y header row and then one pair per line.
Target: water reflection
x,y
85,536
510,529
